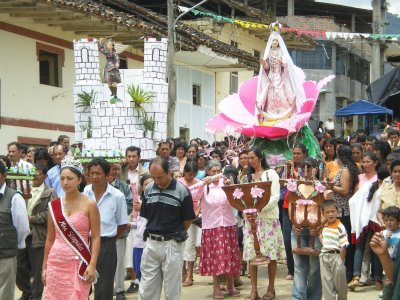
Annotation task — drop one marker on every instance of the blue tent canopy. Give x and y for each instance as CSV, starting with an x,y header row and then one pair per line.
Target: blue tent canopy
x,y
362,107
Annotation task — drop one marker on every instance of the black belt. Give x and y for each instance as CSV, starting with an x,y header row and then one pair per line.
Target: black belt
x,y
107,238
332,251
158,237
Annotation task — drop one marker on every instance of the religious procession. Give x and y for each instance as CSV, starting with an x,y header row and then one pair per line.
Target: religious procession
x,y
159,158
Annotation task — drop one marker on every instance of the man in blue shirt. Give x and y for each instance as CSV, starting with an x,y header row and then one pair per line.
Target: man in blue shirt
x,y
53,175
113,222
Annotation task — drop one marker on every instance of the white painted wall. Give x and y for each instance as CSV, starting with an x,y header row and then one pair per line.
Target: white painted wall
x,y
191,116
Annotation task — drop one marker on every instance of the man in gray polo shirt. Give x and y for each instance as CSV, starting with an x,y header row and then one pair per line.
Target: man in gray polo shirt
x,y
168,207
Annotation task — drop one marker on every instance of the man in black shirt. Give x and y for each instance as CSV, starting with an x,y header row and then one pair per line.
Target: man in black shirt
x,y
168,207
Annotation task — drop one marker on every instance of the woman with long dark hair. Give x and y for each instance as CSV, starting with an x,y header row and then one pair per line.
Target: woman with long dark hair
x,y
188,179
364,222
357,150
299,152
345,183
382,150
330,147
370,164
270,234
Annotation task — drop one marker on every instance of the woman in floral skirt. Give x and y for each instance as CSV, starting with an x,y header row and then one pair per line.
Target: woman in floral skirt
x,y
219,254
270,234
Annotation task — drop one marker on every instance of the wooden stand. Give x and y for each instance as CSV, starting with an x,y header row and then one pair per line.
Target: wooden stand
x,y
293,199
295,204
23,183
248,202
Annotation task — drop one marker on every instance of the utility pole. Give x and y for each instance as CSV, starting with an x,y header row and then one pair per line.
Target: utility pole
x,y
171,75
377,55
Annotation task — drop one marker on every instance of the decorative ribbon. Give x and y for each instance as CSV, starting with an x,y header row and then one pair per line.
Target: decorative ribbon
x,y
70,235
314,33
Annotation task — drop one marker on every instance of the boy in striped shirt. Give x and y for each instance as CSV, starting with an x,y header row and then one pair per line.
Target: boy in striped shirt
x,y
334,241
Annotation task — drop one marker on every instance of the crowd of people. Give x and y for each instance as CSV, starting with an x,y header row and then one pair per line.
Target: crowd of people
x,y
158,222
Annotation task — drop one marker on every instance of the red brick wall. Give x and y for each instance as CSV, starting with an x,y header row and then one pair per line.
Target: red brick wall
x,y
311,23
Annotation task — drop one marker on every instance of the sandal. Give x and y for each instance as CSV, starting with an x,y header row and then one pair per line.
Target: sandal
x,y
253,296
353,283
233,293
187,282
269,295
218,295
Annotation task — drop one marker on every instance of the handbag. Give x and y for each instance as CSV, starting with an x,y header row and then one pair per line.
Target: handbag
x,y
197,221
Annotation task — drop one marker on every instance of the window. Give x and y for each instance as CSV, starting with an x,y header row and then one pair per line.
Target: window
x,y
320,58
359,69
123,63
184,133
234,82
51,61
196,94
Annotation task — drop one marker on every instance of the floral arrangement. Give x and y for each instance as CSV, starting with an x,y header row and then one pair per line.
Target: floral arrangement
x,y
291,185
255,193
276,160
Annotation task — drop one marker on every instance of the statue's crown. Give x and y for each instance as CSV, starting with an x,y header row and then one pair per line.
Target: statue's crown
x,y
275,26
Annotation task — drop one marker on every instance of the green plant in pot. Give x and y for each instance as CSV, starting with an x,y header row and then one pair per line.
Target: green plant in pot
x,y
139,96
85,100
149,124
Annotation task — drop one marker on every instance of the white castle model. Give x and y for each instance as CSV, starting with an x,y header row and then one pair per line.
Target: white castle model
x,y
107,129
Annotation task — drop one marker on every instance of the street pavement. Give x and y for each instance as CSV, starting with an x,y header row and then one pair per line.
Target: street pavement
x,y
202,288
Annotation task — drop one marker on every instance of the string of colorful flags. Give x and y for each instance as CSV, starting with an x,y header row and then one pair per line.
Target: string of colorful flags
x,y
314,33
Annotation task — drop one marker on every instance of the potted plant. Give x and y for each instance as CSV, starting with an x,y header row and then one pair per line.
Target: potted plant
x,y
85,99
149,124
139,96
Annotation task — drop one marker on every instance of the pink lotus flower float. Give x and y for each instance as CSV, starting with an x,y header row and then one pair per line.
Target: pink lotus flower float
x,y
238,112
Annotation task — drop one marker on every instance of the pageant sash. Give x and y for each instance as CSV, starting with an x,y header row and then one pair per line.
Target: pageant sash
x,y
70,235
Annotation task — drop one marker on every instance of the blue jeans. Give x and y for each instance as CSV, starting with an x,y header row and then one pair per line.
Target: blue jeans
x,y
286,232
307,277
137,259
358,257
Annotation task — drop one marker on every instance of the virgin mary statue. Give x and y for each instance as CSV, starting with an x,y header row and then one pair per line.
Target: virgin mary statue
x,y
280,92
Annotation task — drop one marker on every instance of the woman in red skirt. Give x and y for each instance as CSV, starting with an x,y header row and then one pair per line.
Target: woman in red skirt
x,y
219,254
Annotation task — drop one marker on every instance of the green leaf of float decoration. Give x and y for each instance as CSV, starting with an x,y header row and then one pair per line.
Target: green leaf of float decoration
x,y
85,100
17,176
139,96
14,171
111,160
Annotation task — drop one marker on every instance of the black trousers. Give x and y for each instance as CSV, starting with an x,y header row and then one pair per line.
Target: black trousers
x,y
30,260
350,251
106,265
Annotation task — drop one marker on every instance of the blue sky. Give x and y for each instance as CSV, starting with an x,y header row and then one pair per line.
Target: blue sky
x,y
393,8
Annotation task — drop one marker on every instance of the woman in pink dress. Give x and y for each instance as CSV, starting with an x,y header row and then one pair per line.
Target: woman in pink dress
x,y
219,252
189,256
61,273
